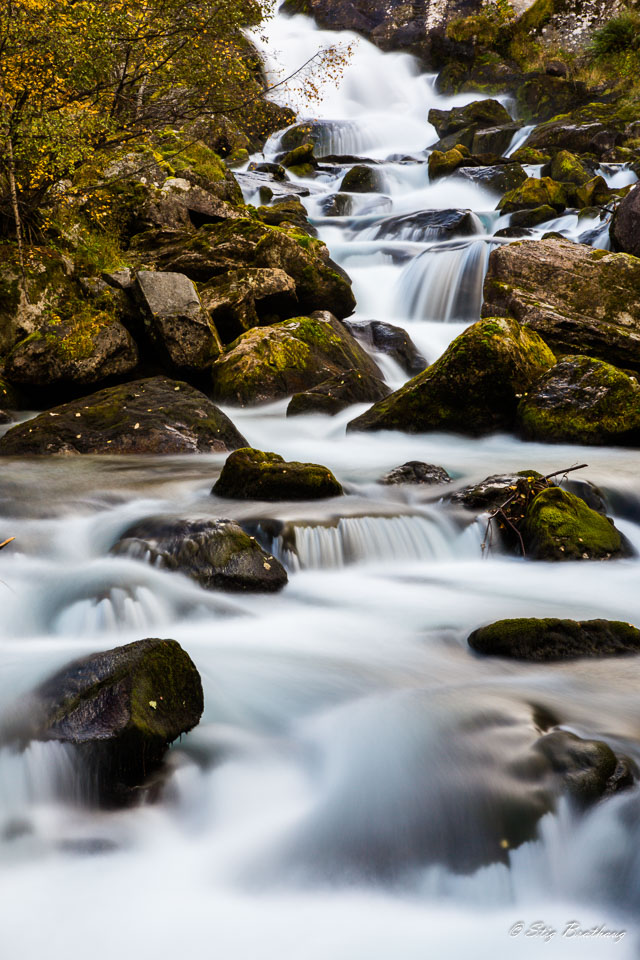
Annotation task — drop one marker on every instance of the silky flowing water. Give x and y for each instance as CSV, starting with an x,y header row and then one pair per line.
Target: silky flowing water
x,y
351,743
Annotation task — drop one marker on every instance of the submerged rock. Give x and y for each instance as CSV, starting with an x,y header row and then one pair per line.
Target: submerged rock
x,y
546,640
393,341
156,415
472,389
333,395
217,554
268,363
578,299
250,474
415,471
560,526
120,709
582,400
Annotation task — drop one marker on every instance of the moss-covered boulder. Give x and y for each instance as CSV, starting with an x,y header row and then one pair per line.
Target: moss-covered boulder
x,y
482,113
394,341
472,389
594,193
442,163
560,526
542,96
361,179
217,554
535,193
156,415
219,248
119,710
250,474
522,219
595,129
582,400
625,226
300,160
500,177
268,363
333,395
568,168
546,640
579,299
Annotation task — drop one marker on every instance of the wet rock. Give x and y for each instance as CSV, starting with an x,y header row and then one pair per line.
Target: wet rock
x,y
428,225
217,554
523,219
493,139
491,492
500,177
581,400
568,168
258,180
271,362
560,526
625,227
339,392
360,179
473,388
156,416
442,163
544,96
595,137
578,299
300,161
415,471
287,210
393,341
593,193
244,299
481,113
587,769
62,357
340,205
548,640
534,193
120,709
250,474
177,325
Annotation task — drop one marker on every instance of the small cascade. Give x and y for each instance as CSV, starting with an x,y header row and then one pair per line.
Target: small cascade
x,y
369,540
120,610
426,226
444,284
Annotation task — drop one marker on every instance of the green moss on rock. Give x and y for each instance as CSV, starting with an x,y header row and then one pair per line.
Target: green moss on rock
x,y
560,526
545,640
472,389
250,474
535,193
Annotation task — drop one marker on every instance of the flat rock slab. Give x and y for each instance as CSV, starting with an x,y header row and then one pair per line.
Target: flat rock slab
x,y
545,640
157,415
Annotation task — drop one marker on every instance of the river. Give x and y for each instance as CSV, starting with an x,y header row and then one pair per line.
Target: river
x,y
353,750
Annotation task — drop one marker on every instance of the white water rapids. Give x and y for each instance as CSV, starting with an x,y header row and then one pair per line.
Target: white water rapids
x,y
352,746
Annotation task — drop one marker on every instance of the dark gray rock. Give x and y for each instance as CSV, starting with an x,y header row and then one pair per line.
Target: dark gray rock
x,y
414,471
625,226
548,640
337,393
390,340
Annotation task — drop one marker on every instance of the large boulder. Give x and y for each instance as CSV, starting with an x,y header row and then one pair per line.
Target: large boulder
x,y
156,415
582,400
217,554
268,363
547,640
238,244
176,322
333,395
533,193
625,226
393,341
119,709
85,352
578,299
247,298
480,113
560,526
250,474
473,388
360,179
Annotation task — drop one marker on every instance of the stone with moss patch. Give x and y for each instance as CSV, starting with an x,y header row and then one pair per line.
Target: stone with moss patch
x,y
217,554
156,415
579,299
472,389
582,400
250,474
560,526
534,193
271,362
543,640
119,709
333,395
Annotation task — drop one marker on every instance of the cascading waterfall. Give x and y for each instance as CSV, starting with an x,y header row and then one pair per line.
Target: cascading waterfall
x,y
338,798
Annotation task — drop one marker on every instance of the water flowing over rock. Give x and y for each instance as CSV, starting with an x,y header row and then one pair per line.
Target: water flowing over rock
x,y
119,709
156,415
333,395
579,300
